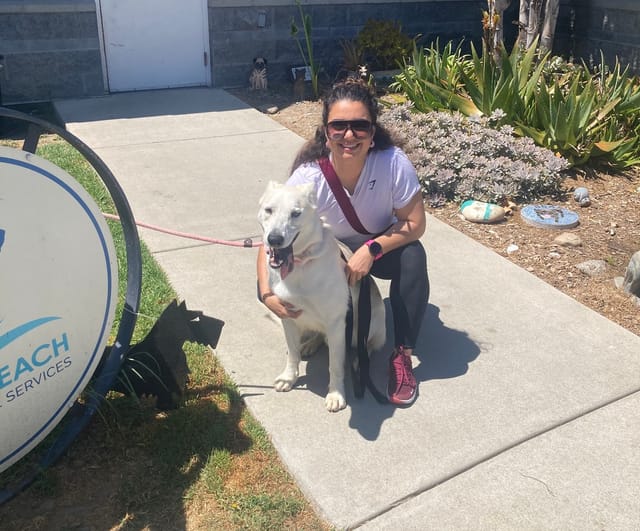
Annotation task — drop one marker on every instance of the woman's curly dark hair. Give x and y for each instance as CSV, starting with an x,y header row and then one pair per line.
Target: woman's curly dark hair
x,y
352,90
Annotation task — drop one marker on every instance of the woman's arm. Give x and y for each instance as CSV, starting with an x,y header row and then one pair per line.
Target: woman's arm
x,y
410,226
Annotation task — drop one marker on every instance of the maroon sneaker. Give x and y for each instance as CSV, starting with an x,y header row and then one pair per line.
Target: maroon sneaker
x,y
402,387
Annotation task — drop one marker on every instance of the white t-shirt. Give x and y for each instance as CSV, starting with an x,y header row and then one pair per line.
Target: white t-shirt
x,y
387,183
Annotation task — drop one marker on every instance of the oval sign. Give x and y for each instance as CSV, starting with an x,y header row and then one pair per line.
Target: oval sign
x,y
58,293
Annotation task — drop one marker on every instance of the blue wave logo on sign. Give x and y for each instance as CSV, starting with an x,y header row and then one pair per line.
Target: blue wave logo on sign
x,y
1,238
23,329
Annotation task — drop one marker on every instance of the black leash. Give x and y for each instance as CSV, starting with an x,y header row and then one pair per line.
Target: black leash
x,y
361,376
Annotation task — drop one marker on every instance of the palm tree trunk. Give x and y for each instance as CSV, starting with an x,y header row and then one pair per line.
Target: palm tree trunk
x,y
533,28
523,22
549,27
500,7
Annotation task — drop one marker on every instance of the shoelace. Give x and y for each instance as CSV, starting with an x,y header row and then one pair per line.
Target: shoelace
x,y
402,364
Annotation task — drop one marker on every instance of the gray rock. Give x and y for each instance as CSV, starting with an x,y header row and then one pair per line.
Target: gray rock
x,y
618,282
631,283
568,239
581,195
593,268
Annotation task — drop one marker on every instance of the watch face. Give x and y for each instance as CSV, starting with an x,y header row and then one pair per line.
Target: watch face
x,y
375,248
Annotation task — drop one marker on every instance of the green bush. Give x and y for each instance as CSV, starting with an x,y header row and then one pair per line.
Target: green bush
x,y
584,116
383,44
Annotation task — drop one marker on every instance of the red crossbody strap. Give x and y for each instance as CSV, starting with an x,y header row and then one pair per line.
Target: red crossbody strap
x,y
340,195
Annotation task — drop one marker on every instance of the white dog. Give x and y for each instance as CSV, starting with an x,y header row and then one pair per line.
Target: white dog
x,y
307,271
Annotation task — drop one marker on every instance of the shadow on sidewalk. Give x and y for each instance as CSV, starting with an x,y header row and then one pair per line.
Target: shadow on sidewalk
x,y
442,353
149,103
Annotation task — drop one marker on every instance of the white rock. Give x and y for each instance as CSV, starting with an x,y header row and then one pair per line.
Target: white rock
x,y
568,239
269,109
481,212
512,248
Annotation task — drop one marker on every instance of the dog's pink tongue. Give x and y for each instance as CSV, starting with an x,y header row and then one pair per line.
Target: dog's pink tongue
x,y
287,265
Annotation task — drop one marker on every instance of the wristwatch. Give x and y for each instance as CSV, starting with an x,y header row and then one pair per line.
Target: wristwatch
x,y
374,248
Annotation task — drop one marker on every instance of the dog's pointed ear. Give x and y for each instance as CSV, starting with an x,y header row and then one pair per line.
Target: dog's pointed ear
x,y
271,186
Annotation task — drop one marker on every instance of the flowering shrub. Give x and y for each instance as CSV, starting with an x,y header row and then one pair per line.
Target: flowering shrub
x,y
459,158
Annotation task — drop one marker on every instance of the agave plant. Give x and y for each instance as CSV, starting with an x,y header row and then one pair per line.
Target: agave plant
x,y
432,80
587,116
509,85
561,106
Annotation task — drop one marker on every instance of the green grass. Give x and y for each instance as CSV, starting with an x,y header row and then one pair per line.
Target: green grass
x,y
207,463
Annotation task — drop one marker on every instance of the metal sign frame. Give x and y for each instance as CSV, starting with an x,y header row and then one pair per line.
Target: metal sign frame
x,y
80,414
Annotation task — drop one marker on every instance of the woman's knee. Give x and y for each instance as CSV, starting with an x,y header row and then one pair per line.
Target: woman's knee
x,y
414,257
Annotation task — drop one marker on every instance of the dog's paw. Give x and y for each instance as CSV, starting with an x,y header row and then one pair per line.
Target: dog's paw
x,y
335,401
285,381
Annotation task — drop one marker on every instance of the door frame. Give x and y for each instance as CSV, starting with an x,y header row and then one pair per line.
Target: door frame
x,y
103,53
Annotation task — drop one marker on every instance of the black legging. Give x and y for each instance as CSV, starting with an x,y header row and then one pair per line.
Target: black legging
x,y
406,267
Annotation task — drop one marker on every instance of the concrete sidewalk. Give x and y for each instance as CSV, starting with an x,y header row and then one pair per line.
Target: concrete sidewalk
x,y
528,415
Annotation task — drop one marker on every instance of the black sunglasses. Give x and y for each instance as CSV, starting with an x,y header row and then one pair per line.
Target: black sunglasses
x,y
360,129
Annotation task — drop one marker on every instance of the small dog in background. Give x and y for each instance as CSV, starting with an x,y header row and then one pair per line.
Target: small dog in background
x,y
258,77
299,84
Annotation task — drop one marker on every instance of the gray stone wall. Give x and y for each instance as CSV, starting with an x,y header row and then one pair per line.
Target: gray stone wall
x,y
236,38
587,26
51,50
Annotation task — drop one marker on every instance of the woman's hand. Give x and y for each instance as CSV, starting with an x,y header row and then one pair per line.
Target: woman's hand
x,y
282,309
359,265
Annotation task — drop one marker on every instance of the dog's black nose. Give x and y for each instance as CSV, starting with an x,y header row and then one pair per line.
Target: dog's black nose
x,y
275,239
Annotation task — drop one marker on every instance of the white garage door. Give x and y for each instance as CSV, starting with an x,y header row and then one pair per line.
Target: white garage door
x,y
153,44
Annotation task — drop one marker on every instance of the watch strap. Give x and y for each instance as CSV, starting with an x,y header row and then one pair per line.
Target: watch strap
x,y
378,255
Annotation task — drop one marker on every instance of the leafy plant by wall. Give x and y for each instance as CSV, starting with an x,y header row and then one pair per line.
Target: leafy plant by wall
x,y
384,45
307,56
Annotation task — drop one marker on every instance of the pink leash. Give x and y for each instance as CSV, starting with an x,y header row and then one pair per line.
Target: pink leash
x,y
248,242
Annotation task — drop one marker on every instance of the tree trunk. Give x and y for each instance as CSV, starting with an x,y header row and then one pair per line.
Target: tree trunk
x,y
500,7
549,28
523,23
533,27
